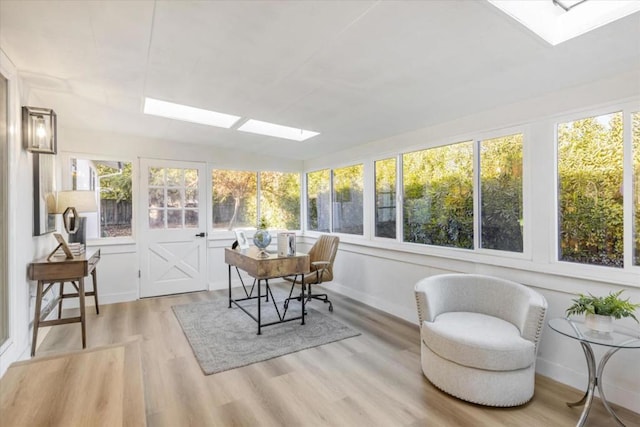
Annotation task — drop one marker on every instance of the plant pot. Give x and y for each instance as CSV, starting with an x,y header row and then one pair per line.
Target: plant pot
x,y
599,323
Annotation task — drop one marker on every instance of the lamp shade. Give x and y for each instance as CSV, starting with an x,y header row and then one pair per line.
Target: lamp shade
x,y
82,201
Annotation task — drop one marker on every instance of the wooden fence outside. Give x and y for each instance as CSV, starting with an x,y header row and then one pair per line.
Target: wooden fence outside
x,y
113,212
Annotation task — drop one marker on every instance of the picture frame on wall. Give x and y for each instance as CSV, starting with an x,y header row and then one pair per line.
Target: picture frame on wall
x,y
44,194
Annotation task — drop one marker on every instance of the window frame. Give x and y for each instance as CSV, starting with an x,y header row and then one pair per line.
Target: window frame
x,y
366,201
66,184
526,191
218,233
626,109
397,158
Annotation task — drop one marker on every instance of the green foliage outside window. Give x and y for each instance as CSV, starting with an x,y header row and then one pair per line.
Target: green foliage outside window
x,y
318,200
501,193
235,198
438,196
385,171
590,153
636,185
348,185
280,199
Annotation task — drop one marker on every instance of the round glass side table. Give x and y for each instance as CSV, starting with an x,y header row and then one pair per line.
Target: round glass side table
x,y
620,338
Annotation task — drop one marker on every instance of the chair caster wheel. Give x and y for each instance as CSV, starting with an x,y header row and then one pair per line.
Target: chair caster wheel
x,y
331,307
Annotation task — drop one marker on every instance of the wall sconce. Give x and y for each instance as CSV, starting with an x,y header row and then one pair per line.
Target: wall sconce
x,y
39,130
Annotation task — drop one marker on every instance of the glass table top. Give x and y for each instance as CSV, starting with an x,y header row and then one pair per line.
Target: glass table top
x,y
621,337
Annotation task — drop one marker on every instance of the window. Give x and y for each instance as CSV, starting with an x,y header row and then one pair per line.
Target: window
x,y
385,171
112,180
280,199
348,185
635,118
319,200
438,196
241,197
590,153
501,193
173,198
235,199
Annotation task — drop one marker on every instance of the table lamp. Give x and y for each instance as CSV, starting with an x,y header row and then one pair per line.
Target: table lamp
x,y
69,203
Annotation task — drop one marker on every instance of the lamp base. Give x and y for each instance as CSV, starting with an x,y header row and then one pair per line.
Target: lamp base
x,y
80,236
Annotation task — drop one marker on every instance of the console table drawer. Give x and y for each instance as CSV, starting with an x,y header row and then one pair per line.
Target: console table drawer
x,y
62,268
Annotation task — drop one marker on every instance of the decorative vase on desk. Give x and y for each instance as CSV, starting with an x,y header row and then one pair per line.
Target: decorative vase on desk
x,y
262,238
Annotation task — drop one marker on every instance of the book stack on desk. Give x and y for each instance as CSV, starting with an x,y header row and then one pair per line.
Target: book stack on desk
x,y
77,249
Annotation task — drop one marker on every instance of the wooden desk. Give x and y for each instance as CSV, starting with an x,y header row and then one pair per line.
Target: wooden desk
x,y
98,387
264,269
61,270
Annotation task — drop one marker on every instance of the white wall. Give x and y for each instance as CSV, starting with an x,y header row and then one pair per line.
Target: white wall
x,y
382,273
23,246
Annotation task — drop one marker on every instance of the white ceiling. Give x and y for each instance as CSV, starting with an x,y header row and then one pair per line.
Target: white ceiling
x,y
356,71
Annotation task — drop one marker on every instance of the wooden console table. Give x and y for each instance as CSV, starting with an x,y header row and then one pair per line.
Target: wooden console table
x,y
61,270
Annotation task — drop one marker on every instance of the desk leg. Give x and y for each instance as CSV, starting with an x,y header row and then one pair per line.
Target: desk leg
x,y
587,399
82,312
303,299
94,275
229,285
36,318
259,308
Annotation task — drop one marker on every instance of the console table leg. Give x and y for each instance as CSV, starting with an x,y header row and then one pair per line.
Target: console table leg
x,y
94,275
36,317
61,287
82,312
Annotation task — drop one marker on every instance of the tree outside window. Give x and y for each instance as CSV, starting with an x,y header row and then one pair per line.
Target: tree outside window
x,y
280,199
635,117
590,165
501,193
112,180
385,171
235,199
319,200
438,196
348,186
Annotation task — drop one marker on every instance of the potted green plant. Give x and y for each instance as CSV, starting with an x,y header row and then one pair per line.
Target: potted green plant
x,y
600,311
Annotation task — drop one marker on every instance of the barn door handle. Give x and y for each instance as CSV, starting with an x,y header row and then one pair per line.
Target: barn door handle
x,y
201,234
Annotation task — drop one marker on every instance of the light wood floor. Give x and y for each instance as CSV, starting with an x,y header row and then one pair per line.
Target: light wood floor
x,y
374,379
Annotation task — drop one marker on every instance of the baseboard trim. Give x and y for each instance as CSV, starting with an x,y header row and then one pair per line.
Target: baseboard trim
x,y
402,312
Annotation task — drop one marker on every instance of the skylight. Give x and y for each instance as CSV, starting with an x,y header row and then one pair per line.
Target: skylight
x,y
560,20
279,131
186,113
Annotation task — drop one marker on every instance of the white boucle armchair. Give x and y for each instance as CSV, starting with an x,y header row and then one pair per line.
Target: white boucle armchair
x,y
479,337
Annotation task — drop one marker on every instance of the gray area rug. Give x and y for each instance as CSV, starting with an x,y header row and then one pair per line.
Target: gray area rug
x,y
225,338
